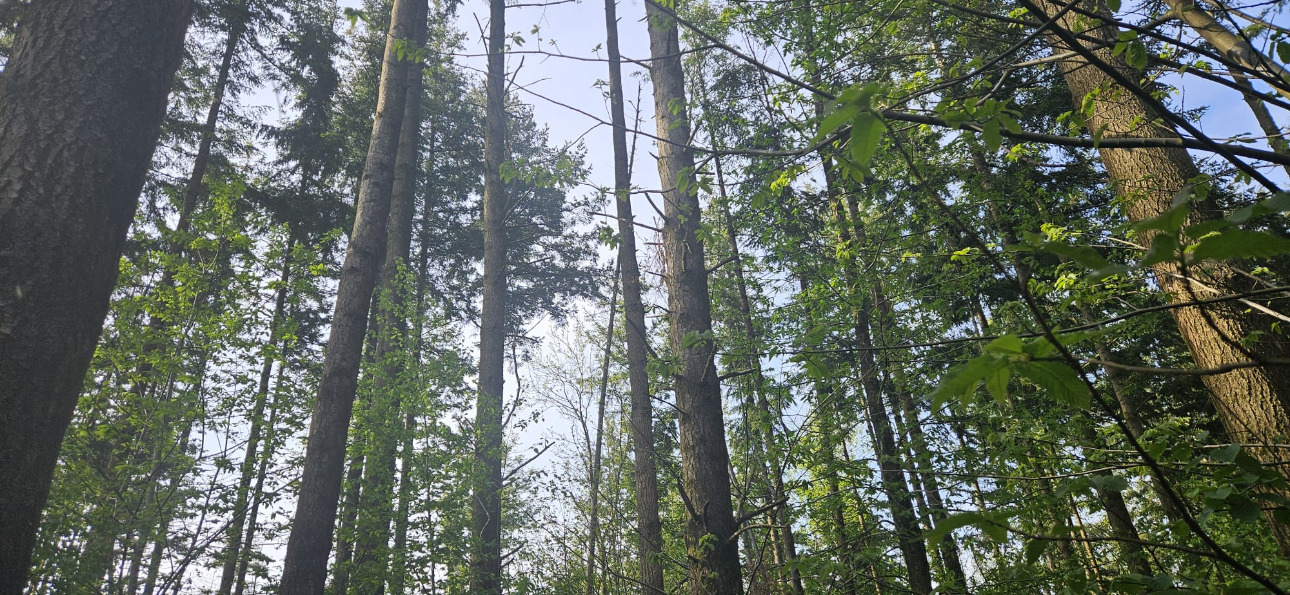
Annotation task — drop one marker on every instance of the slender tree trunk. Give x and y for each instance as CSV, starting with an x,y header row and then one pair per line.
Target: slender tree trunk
x,y
305,566
77,132
594,532
233,541
257,492
1253,403
648,526
710,522
345,534
1230,45
899,498
399,564
486,506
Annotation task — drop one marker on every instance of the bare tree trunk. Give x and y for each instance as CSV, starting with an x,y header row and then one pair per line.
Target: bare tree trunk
x,y
305,566
899,498
648,525
233,542
486,505
77,133
594,532
1253,403
257,492
705,462
376,503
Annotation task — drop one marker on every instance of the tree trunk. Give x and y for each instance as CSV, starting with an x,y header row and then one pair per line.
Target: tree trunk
x,y
594,533
649,527
233,542
305,566
899,498
257,492
710,522
1253,403
82,97
376,504
486,506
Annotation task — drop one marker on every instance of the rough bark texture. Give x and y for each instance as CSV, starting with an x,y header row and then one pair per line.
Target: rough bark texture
x,y
376,509
649,527
486,505
305,566
710,522
81,102
1252,403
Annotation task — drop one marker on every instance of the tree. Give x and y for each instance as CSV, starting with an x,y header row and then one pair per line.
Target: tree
x,y
69,198
710,522
305,566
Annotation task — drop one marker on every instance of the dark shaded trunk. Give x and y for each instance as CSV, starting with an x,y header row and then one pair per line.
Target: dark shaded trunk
x,y
305,566
1253,403
649,527
486,506
82,97
705,461
376,504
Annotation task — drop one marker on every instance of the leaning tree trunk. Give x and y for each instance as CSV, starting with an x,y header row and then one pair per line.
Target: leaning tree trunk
x,y
650,528
81,102
1252,402
305,566
486,506
710,521
376,508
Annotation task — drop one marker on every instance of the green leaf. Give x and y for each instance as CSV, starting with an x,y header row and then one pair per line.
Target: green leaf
x,y
1114,5
1136,54
1060,381
1006,344
866,131
1239,243
836,120
996,383
991,135
961,380
1035,549
1283,51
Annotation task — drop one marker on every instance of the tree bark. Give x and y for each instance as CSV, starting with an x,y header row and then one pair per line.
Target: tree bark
x,y
305,566
899,498
376,508
705,461
1252,403
82,97
233,542
649,527
486,506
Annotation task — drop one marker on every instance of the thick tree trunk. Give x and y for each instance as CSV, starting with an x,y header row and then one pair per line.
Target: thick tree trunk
x,y
305,566
710,521
1253,403
81,101
650,528
486,506
376,508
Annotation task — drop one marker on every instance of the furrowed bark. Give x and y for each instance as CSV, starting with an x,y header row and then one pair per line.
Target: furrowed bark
x,y
305,566
486,505
649,527
705,461
1253,403
82,97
